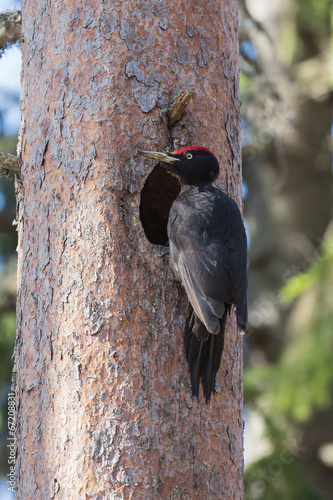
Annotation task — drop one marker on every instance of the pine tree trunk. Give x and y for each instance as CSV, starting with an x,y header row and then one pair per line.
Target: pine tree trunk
x,y
103,393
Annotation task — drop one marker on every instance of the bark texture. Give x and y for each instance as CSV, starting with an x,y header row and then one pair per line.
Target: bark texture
x,y
102,387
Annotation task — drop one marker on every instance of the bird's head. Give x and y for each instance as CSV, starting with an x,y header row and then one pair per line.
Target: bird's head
x,y
194,165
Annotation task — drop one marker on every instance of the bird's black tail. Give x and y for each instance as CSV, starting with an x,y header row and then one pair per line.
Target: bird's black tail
x,y
203,352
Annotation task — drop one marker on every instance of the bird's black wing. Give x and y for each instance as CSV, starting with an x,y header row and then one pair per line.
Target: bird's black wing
x,y
208,251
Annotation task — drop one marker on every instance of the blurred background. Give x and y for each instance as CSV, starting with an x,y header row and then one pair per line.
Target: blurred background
x,y
10,67
286,91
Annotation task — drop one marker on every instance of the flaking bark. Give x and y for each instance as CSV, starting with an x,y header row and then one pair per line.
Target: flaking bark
x,y
100,374
176,110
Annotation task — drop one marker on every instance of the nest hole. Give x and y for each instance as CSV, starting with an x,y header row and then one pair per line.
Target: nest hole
x,y
157,195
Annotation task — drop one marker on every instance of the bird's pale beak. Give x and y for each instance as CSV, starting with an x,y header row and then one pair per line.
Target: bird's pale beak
x,y
163,157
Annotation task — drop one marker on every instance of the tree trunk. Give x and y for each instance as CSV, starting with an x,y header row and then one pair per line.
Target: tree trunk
x,y
103,393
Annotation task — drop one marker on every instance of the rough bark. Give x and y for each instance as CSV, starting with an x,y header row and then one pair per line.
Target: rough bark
x,y
101,379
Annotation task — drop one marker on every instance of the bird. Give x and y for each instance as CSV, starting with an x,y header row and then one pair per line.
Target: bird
x,y
208,254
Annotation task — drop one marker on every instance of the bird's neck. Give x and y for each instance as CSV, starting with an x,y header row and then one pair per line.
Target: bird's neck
x,y
198,185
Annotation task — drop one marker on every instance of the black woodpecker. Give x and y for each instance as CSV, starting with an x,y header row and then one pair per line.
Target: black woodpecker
x,y
208,253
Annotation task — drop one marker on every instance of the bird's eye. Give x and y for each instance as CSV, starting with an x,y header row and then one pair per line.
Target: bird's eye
x,y
189,156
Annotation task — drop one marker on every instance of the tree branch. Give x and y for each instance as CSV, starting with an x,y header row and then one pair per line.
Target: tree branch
x,y
8,163
178,106
10,27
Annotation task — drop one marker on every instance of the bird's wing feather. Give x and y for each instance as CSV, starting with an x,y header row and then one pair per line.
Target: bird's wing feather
x,y
209,261
206,308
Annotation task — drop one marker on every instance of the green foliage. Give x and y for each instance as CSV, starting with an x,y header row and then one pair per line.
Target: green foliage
x,y
8,242
7,339
301,382
288,393
314,16
278,475
245,85
8,236
320,274
308,29
308,359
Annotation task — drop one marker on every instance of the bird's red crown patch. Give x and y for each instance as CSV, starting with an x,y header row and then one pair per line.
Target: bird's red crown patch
x,y
192,148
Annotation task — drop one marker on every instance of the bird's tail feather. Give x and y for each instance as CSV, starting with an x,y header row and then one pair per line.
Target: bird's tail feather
x,y
203,352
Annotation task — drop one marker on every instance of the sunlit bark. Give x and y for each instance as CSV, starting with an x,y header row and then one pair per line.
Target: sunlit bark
x,y
102,387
